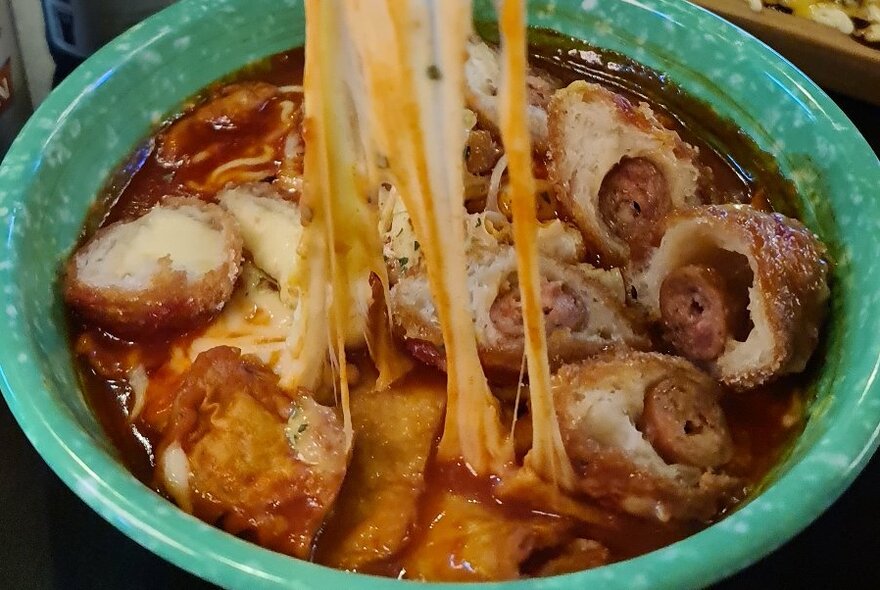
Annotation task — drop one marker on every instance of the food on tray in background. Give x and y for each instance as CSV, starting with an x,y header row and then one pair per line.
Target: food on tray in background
x,y
859,18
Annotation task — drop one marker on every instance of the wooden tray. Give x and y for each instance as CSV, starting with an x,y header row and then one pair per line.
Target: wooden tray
x,y
831,58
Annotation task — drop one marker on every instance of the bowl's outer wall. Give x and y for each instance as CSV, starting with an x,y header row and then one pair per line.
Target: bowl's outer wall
x,y
80,134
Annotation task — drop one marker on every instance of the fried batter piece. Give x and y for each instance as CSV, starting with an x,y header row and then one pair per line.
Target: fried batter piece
x,y
169,270
646,434
617,170
238,453
483,79
738,290
395,431
478,541
584,307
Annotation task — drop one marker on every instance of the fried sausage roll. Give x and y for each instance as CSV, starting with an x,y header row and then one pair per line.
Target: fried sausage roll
x,y
645,433
738,290
238,453
583,306
483,79
617,170
170,269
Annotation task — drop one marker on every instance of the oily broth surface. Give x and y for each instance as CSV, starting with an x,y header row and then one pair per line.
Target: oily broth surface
x,y
763,422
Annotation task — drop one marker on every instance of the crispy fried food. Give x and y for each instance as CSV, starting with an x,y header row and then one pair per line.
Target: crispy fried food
x,y
584,307
478,541
483,78
238,453
169,270
617,170
774,274
645,433
395,430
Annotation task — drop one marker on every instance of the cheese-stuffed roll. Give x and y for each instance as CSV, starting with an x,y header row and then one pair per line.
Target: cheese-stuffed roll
x,y
645,434
617,170
740,291
170,269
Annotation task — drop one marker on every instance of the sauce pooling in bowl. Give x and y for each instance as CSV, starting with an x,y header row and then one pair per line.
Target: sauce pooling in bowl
x,y
208,416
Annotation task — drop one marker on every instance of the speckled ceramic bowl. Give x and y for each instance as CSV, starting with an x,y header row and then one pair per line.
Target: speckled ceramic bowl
x,y
83,130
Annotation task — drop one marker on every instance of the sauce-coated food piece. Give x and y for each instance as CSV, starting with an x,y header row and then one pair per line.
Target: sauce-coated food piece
x,y
775,284
233,107
169,270
478,541
394,437
617,170
240,453
584,307
483,78
644,432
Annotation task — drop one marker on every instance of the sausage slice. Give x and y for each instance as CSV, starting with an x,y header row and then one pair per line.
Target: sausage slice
x,y
695,309
633,200
685,424
562,309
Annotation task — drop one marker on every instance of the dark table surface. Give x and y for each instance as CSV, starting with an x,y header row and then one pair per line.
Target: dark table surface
x,y
49,539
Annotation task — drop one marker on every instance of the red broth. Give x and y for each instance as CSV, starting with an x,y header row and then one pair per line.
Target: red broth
x,y
763,422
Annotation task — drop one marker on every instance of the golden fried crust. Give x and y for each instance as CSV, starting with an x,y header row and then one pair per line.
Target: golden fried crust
x,y
635,479
591,130
789,293
610,324
171,301
243,468
483,79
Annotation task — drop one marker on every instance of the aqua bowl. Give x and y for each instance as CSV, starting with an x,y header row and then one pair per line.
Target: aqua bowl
x,y
80,134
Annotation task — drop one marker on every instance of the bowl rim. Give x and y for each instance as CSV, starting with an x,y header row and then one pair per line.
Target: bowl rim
x,y
205,551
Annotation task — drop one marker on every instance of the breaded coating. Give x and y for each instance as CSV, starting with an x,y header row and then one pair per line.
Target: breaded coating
x,y
167,271
617,170
773,277
584,307
483,80
240,454
645,434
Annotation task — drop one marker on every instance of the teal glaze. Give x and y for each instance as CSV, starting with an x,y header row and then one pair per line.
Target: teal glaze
x,y
66,152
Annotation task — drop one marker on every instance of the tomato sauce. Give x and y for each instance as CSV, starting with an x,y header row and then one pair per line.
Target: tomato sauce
x,y
763,422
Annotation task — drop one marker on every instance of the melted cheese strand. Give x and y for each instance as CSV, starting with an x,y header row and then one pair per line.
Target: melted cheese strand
x,y
341,242
412,53
547,456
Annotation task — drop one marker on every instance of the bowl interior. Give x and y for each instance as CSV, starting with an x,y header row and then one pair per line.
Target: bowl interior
x,y
80,134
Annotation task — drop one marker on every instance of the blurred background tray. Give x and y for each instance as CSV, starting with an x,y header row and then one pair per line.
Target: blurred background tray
x,y
831,58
